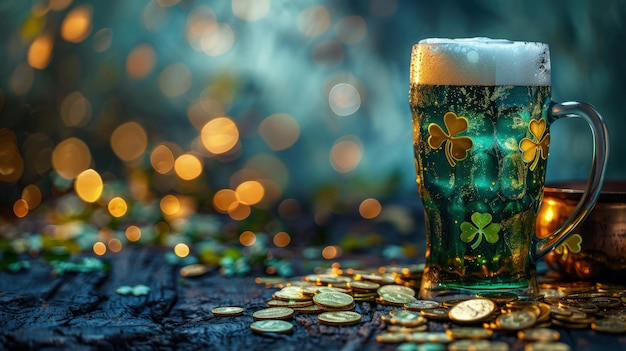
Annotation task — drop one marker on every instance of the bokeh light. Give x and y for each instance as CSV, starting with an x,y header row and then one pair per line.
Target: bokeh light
x,y
279,131
162,159
21,79
346,154
219,135
247,238
250,192
20,208
225,199
117,207
344,99
331,252
88,185
115,245
70,157
170,204
133,233
140,61
250,10
351,29
99,248
76,25
75,110
181,250
129,141
239,212
175,80
188,167
370,208
32,195
281,239
40,52
313,21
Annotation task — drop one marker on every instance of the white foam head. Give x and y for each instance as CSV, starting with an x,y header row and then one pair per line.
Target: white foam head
x,y
480,61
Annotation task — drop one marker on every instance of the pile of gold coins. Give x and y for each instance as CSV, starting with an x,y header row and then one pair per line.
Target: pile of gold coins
x,y
464,324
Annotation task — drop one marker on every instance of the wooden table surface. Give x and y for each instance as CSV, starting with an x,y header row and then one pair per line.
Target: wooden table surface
x,y
82,311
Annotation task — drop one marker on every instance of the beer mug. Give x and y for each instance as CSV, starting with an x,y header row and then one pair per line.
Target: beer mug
x,y
482,112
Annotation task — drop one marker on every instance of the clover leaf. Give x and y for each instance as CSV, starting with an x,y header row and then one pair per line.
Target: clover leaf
x,y
480,227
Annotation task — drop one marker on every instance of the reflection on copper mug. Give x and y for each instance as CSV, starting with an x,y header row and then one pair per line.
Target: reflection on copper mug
x,y
597,249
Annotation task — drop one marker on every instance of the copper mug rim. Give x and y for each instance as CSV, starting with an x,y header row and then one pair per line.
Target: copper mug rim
x,y
613,190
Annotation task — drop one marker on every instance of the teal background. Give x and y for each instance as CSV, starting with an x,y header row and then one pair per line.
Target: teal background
x,y
586,38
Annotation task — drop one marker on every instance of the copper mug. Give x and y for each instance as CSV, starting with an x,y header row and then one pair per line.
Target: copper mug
x,y
597,249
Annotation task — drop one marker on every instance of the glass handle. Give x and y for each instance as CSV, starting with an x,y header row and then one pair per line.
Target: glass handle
x,y
596,177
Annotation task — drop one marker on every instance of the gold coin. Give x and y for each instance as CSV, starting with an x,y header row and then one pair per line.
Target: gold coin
x,y
609,325
392,338
430,337
271,326
193,270
539,334
362,285
471,311
270,281
516,320
273,313
339,318
349,307
452,302
473,333
407,330
438,313
395,298
483,345
227,311
290,303
421,305
605,302
393,289
404,318
313,309
570,325
546,346
333,299
290,293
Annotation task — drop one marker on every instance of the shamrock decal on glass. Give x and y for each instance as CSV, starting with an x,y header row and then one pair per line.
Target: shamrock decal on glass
x,y
533,149
480,227
456,147
571,244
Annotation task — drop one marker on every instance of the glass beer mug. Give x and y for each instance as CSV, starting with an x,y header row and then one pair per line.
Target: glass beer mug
x,y
482,112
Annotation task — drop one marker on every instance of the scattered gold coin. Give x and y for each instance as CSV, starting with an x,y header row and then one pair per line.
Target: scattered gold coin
x,y
273,313
387,289
516,320
291,293
392,338
227,311
609,325
438,313
339,318
474,333
471,311
471,345
290,303
404,318
333,299
546,346
271,326
395,298
421,305
539,334
193,270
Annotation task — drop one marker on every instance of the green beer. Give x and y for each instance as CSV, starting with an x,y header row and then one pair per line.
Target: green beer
x,y
481,114
480,172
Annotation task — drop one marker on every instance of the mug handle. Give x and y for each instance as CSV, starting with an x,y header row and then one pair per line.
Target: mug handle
x,y
594,185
